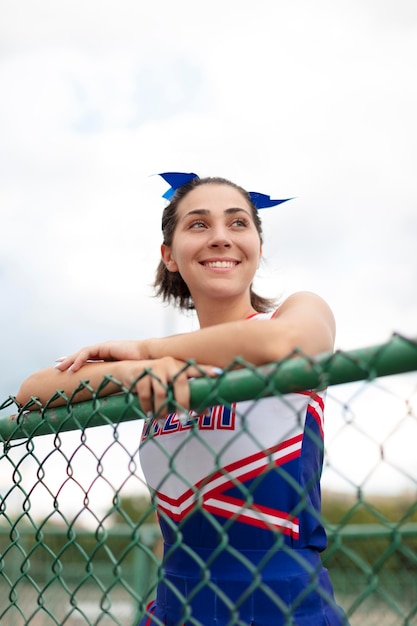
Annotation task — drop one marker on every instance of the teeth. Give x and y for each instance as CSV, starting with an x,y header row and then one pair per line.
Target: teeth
x,y
221,264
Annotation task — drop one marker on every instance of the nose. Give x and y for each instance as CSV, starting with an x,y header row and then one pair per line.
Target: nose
x,y
219,238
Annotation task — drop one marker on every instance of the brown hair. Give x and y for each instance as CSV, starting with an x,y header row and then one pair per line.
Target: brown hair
x,y
170,286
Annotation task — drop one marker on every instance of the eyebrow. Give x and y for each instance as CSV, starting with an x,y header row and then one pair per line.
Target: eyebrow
x,y
229,211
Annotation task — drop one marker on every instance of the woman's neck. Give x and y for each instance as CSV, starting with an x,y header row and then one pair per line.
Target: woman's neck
x,y
220,312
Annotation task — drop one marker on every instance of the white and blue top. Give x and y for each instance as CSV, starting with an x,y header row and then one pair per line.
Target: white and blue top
x,y
237,493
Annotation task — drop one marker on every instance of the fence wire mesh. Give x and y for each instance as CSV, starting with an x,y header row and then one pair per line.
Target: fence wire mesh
x,y
79,542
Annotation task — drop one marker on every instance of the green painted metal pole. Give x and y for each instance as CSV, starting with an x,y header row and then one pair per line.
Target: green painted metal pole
x,y
397,356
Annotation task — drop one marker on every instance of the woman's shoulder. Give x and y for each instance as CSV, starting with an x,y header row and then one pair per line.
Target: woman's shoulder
x,y
301,299
294,301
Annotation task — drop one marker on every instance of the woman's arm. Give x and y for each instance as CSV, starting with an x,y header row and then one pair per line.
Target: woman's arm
x,y
304,321
134,375
44,383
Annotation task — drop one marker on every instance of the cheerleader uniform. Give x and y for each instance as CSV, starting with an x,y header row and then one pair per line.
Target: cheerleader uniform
x,y
238,499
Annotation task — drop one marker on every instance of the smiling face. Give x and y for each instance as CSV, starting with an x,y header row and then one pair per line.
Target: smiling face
x,y
216,246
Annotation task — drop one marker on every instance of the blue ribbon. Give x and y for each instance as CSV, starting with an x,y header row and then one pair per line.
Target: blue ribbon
x,y
178,179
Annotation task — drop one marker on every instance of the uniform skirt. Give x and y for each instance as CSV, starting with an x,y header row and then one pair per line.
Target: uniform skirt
x,y
201,587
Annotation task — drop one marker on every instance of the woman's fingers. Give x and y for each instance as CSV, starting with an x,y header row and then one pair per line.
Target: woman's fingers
x,y
153,389
151,393
106,351
181,389
75,361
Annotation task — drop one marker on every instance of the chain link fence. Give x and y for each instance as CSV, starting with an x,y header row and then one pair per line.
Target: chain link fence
x,y
79,543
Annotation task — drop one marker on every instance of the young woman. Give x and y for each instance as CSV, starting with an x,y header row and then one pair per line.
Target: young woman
x,y
237,489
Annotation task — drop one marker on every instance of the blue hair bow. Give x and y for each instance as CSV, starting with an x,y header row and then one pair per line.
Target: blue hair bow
x,y
178,179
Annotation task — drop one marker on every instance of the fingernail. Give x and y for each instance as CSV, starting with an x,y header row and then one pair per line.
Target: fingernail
x,y
217,370
184,418
149,415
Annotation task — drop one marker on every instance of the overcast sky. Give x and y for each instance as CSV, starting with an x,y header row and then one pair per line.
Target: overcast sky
x,y
310,100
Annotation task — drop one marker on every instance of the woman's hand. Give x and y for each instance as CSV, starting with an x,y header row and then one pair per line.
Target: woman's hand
x,y
105,351
150,379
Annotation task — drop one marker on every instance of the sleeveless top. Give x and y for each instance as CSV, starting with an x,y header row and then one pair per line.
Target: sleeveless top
x,y
252,468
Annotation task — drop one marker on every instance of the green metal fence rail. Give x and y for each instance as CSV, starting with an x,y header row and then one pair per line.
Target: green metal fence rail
x,y
395,357
78,539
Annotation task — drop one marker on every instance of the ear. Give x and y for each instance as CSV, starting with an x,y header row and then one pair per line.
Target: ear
x,y
168,259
